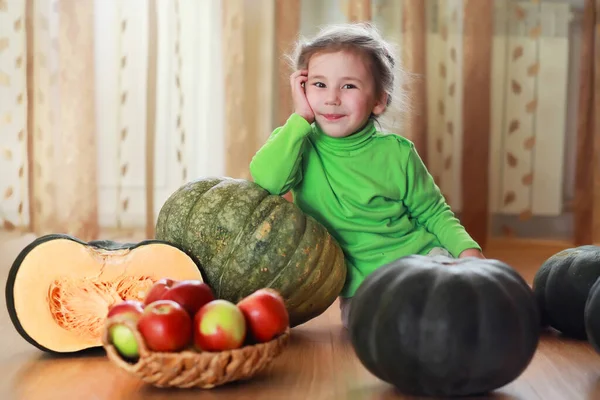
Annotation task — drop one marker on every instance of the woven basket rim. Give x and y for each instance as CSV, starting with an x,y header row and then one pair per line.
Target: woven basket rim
x,y
198,356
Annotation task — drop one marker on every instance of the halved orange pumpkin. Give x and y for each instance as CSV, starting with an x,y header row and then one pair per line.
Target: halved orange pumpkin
x,y
59,288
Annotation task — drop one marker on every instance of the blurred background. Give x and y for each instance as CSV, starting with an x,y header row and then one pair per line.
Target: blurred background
x,y
108,106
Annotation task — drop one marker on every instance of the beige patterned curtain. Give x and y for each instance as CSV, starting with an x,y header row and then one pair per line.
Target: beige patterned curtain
x,y
90,143
491,98
48,129
13,116
107,108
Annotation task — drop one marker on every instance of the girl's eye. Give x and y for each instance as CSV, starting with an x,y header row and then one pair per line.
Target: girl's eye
x,y
348,86
319,84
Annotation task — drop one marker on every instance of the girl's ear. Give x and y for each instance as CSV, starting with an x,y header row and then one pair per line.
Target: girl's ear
x,y
380,105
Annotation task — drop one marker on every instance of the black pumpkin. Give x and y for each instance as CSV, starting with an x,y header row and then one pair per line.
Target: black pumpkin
x,y
592,316
562,285
435,326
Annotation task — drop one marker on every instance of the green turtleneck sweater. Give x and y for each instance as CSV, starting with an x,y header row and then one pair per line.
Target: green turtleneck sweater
x,y
370,190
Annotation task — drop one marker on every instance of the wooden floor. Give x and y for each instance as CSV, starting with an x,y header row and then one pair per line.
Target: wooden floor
x,y
318,364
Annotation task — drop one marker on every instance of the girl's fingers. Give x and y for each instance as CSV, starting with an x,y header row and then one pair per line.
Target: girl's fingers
x,y
299,82
300,73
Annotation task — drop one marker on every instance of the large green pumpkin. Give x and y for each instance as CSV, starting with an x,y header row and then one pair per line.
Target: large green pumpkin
x,y
562,285
245,239
435,326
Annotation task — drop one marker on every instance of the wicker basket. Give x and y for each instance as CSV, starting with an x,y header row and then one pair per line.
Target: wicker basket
x,y
191,368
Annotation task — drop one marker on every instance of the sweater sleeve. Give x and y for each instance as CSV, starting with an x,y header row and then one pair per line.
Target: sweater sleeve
x,y
428,206
276,165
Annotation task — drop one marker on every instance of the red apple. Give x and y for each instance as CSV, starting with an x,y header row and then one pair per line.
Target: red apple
x,y
127,306
265,314
165,326
158,289
219,325
190,294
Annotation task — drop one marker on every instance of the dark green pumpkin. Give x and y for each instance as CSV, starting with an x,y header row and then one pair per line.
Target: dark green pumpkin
x,y
435,326
592,316
562,285
247,239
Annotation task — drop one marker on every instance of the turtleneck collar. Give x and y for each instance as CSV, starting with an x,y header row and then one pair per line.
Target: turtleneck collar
x,y
348,143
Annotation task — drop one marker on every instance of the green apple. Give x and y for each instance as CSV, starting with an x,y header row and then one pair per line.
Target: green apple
x,y
124,341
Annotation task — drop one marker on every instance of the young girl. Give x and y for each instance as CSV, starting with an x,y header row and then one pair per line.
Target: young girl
x,y
369,189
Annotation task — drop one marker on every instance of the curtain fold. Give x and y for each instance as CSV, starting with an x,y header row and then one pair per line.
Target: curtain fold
x,y
358,10
14,199
249,64
476,109
49,164
414,60
587,181
287,28
62,129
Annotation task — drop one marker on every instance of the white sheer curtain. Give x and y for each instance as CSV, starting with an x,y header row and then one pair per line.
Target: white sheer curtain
x,y
188,108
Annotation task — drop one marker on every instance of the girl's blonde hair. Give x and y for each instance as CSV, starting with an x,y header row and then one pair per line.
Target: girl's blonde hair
x,y
365,39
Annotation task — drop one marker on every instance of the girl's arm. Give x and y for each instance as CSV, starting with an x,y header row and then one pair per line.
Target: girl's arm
x,y
277,165
427,204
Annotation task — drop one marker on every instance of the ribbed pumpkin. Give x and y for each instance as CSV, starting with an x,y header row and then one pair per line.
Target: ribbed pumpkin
x,y
435,326
245,239
592,316
562,285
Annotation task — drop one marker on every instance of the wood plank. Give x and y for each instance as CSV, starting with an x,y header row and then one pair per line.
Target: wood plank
x,y
477,50
584,176
287,28
414,60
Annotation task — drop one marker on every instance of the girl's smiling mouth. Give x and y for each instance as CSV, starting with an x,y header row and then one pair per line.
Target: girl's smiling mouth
x,y
333,117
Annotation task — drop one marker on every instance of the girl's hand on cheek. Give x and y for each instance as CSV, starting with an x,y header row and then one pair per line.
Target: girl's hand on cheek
x,y
301,106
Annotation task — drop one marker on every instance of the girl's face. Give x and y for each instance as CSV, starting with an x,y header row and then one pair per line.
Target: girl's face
x,y
341,92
